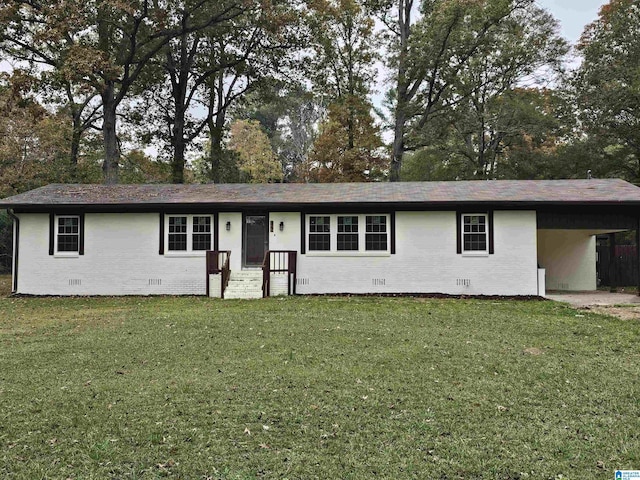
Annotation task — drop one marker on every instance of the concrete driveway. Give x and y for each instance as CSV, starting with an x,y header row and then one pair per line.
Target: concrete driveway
x,y
595,298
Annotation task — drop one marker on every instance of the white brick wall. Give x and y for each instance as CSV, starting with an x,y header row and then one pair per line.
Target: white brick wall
x,y
426,261
121,258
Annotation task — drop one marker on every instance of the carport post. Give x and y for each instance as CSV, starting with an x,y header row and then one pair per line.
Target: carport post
x,y
612,263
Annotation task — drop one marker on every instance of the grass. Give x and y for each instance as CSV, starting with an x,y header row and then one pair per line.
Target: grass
x,y
304,388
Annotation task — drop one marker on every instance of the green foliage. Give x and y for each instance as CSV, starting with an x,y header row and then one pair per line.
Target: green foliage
x,y
256,160
348,148
191,387
608,83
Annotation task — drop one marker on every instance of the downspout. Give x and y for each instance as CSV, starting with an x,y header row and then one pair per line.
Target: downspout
x,y
16,243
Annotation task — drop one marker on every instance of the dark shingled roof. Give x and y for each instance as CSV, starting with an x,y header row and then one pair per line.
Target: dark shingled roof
x,y
508,192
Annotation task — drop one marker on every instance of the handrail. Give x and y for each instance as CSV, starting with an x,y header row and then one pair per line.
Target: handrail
x,y
215,258
279,261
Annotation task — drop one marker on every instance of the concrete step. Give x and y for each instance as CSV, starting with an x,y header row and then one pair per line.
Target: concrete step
x,y
244,284
238,294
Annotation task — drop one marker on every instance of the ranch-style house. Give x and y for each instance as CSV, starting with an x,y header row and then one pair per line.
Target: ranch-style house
x,y
498,237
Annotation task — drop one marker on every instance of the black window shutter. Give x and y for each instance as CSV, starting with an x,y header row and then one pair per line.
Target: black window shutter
x,y
303,234
161,239
52,227
458,232
392,227
216,231
81,235
490,218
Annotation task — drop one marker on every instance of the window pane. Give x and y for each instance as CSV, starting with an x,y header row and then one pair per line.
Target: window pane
x,y
177,241
201,224
68,225
376,241
347,241
347,233
376,223
376,232
178,233
201,233
319,224
475,233
67,243
319,233
347,224
178,225
475,242
68,234
319,241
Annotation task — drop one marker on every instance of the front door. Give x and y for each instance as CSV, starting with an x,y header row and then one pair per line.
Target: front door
x,y
256,240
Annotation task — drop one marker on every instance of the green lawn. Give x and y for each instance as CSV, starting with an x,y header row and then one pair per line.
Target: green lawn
x,y
305,388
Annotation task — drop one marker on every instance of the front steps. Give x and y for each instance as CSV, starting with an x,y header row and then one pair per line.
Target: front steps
x,y
244,284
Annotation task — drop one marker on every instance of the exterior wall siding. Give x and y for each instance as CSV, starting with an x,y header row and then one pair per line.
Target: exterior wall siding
x,y
121,258
232,239
569,257
426,261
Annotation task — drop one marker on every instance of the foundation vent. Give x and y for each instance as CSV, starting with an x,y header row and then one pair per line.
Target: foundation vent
x,y
378,282
302,281
463,282
154,282
563,286
74,282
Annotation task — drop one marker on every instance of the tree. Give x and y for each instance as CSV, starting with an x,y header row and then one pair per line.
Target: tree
x,y
256,159
608,83
289,114
253,53
430,53
26,37
343,39
348,148
105,45
489,110
32,140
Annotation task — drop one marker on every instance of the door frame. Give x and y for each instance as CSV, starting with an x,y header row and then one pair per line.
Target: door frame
x,y
244,235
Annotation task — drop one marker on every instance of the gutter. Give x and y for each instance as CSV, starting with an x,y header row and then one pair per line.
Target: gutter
x,y
16,244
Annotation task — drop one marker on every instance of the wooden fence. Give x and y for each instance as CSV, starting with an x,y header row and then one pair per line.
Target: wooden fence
x,y
626,272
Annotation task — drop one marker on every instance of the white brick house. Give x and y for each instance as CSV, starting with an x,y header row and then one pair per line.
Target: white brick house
x,y
460,238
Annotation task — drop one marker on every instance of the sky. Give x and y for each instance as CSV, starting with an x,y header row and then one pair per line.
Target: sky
x,y
573,15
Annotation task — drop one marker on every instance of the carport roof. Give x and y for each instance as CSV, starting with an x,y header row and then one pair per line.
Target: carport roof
x,y
514,193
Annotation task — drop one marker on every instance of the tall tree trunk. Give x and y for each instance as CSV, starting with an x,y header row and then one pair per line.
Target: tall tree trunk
x,y
74,153
402,89
216,133
111,151
177,165
178,138
216,125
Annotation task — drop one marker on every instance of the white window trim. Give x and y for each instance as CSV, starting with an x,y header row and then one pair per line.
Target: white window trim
x,y
56,233
475,253
333,236
189,252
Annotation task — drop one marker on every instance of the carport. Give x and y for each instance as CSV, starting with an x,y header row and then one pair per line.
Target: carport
x,y
566,239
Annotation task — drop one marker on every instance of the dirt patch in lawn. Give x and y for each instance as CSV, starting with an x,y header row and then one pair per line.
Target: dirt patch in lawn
x,y
625,313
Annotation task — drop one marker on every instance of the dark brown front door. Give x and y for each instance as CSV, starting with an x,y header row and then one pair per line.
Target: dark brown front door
x,y
256,240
